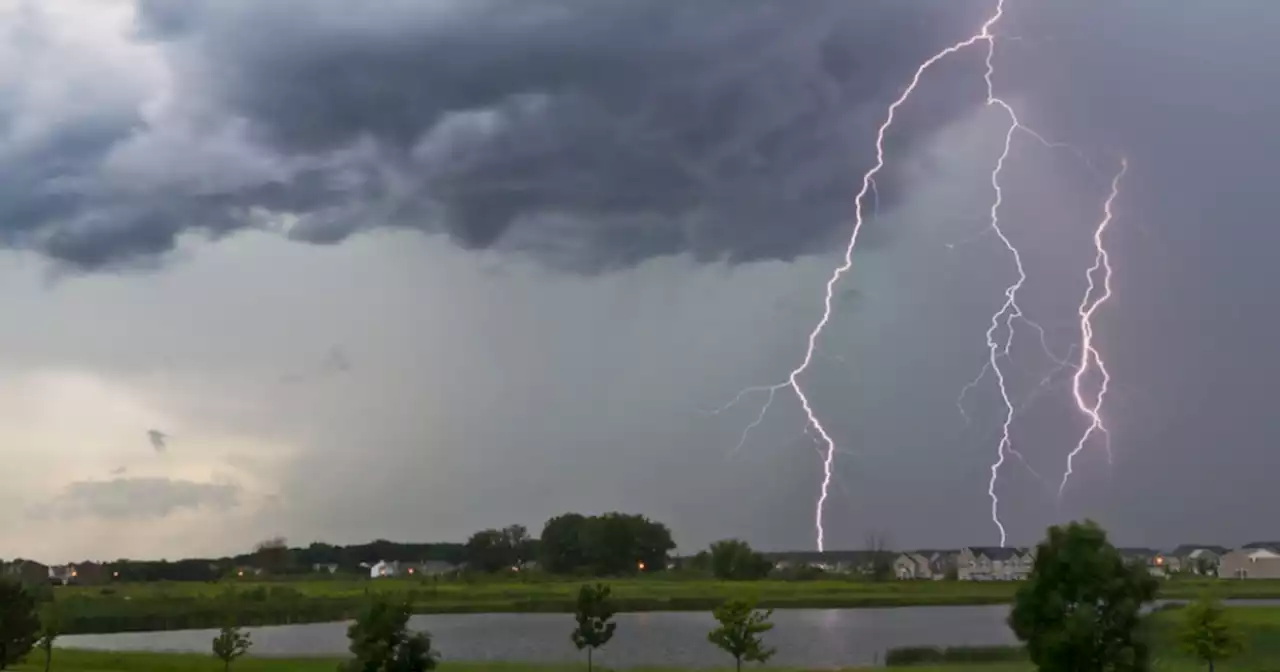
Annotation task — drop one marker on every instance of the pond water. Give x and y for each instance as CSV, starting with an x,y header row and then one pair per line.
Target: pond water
x,y
814,638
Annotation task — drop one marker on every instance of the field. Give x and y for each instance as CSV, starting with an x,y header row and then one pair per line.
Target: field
x,y
165,606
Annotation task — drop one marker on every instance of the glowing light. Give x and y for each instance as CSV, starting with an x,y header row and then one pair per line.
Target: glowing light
x,y
640,565
1088,351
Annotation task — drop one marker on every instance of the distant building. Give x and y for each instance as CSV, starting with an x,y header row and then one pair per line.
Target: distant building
x,y
1150,558
383,569
1199,559
925,564
994,563
325,568
1260,560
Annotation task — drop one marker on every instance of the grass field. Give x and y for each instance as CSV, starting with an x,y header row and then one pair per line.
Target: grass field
x,y
168,606
517,596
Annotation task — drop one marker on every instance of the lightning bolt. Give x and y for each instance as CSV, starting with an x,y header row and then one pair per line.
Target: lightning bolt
x,y
1008,313
1088,352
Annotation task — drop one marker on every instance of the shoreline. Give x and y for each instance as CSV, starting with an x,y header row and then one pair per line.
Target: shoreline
x,y
167,607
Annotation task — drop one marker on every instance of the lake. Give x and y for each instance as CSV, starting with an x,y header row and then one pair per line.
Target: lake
x,y
803,637
814,638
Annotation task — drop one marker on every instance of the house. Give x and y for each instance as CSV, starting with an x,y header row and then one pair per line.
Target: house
x,y
383,569
436,568
840,562
1150,558
1252,561
1257,560
325,568
925,564
914,565
994,563
25,571
1195,559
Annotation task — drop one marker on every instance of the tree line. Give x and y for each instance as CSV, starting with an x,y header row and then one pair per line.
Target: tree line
x,y
1081,610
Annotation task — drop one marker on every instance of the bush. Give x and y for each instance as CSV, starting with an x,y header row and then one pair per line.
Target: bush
x,y
936,655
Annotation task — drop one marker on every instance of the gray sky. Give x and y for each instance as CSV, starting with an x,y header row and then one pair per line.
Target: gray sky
x,y
272,269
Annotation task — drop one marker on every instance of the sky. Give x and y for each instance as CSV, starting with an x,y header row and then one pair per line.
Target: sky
x,y
274,269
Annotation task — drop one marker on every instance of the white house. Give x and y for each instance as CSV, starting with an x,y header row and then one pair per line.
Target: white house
x,y
1262,561
384,569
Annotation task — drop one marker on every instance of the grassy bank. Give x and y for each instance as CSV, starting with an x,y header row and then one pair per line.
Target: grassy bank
x,y
86,661
169,606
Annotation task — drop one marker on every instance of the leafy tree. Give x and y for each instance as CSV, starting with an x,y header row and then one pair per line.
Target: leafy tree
x,y
1207,632
594,615
50,630
1080,608
607,545
733,559
19,626
562,550
490,551
740,630
273,555
230,644
381,641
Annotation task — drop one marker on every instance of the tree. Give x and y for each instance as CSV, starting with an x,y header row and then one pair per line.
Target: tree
x,y
381,641
739,634
50,630
594,615
230,644
733,559
1207,632
561,549
493,550
608,545
19,626
881,556
1081,606
273,555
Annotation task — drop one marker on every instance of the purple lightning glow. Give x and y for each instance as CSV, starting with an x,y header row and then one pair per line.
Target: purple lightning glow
x,y
1089,353
1009,312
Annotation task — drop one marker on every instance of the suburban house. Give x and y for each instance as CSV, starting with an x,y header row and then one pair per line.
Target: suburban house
x,y
384,569
25,571
1150,558
1195,559
994,563
924,564
325,568
841,562
1259,560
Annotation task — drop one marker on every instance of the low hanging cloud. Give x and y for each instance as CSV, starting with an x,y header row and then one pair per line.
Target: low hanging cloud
x,y
138,498
159,440
592,134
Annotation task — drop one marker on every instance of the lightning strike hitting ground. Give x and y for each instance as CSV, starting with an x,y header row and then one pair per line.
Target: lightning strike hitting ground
x,y
1009,312
1089,353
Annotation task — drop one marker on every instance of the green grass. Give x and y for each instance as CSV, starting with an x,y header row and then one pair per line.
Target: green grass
x,y
161,606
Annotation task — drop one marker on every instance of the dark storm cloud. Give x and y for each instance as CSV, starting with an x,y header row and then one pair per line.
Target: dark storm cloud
x,y
138,498
593,133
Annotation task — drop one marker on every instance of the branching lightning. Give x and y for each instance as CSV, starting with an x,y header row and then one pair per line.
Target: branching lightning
x,y
999,341
1088,352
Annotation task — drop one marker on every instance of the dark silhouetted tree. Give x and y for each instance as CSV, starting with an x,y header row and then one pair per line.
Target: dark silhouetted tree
x,y
230,644
381,641
734,559
562,550
19,625
50,630
1080,609
740,630
594,615
1207,632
